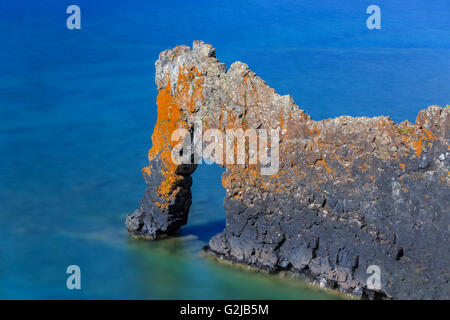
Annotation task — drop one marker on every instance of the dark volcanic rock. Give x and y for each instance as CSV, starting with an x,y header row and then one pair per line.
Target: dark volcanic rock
x,y
350,192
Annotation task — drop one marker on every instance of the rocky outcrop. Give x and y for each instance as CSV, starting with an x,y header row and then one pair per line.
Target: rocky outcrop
x,y
349,193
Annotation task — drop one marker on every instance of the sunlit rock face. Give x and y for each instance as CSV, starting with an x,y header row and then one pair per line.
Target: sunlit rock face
x,y
348,193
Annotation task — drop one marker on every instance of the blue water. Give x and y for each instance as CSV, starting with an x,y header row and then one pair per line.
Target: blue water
x,y
77,109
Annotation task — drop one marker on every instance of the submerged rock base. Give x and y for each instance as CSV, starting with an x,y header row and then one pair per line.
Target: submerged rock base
x,y
351,192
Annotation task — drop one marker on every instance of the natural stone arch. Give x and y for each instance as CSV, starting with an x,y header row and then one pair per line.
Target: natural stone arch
x,y
194,85
350,192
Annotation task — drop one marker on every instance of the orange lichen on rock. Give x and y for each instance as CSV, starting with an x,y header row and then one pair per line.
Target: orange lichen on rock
x,y
323,163
416,137
170,118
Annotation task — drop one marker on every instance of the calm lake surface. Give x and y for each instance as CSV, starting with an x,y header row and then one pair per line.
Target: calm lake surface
x,y
77,110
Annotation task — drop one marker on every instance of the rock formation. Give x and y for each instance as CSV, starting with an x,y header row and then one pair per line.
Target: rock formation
x,y
350,192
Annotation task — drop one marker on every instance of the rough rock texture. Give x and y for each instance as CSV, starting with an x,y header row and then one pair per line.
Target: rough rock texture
x,y
350,192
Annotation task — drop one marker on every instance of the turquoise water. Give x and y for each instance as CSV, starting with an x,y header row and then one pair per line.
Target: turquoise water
x,y
77,109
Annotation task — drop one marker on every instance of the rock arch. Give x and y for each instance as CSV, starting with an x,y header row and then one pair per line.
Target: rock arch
x,y
350,191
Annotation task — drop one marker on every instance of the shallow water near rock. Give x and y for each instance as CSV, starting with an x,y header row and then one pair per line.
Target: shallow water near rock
x,y
78,109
